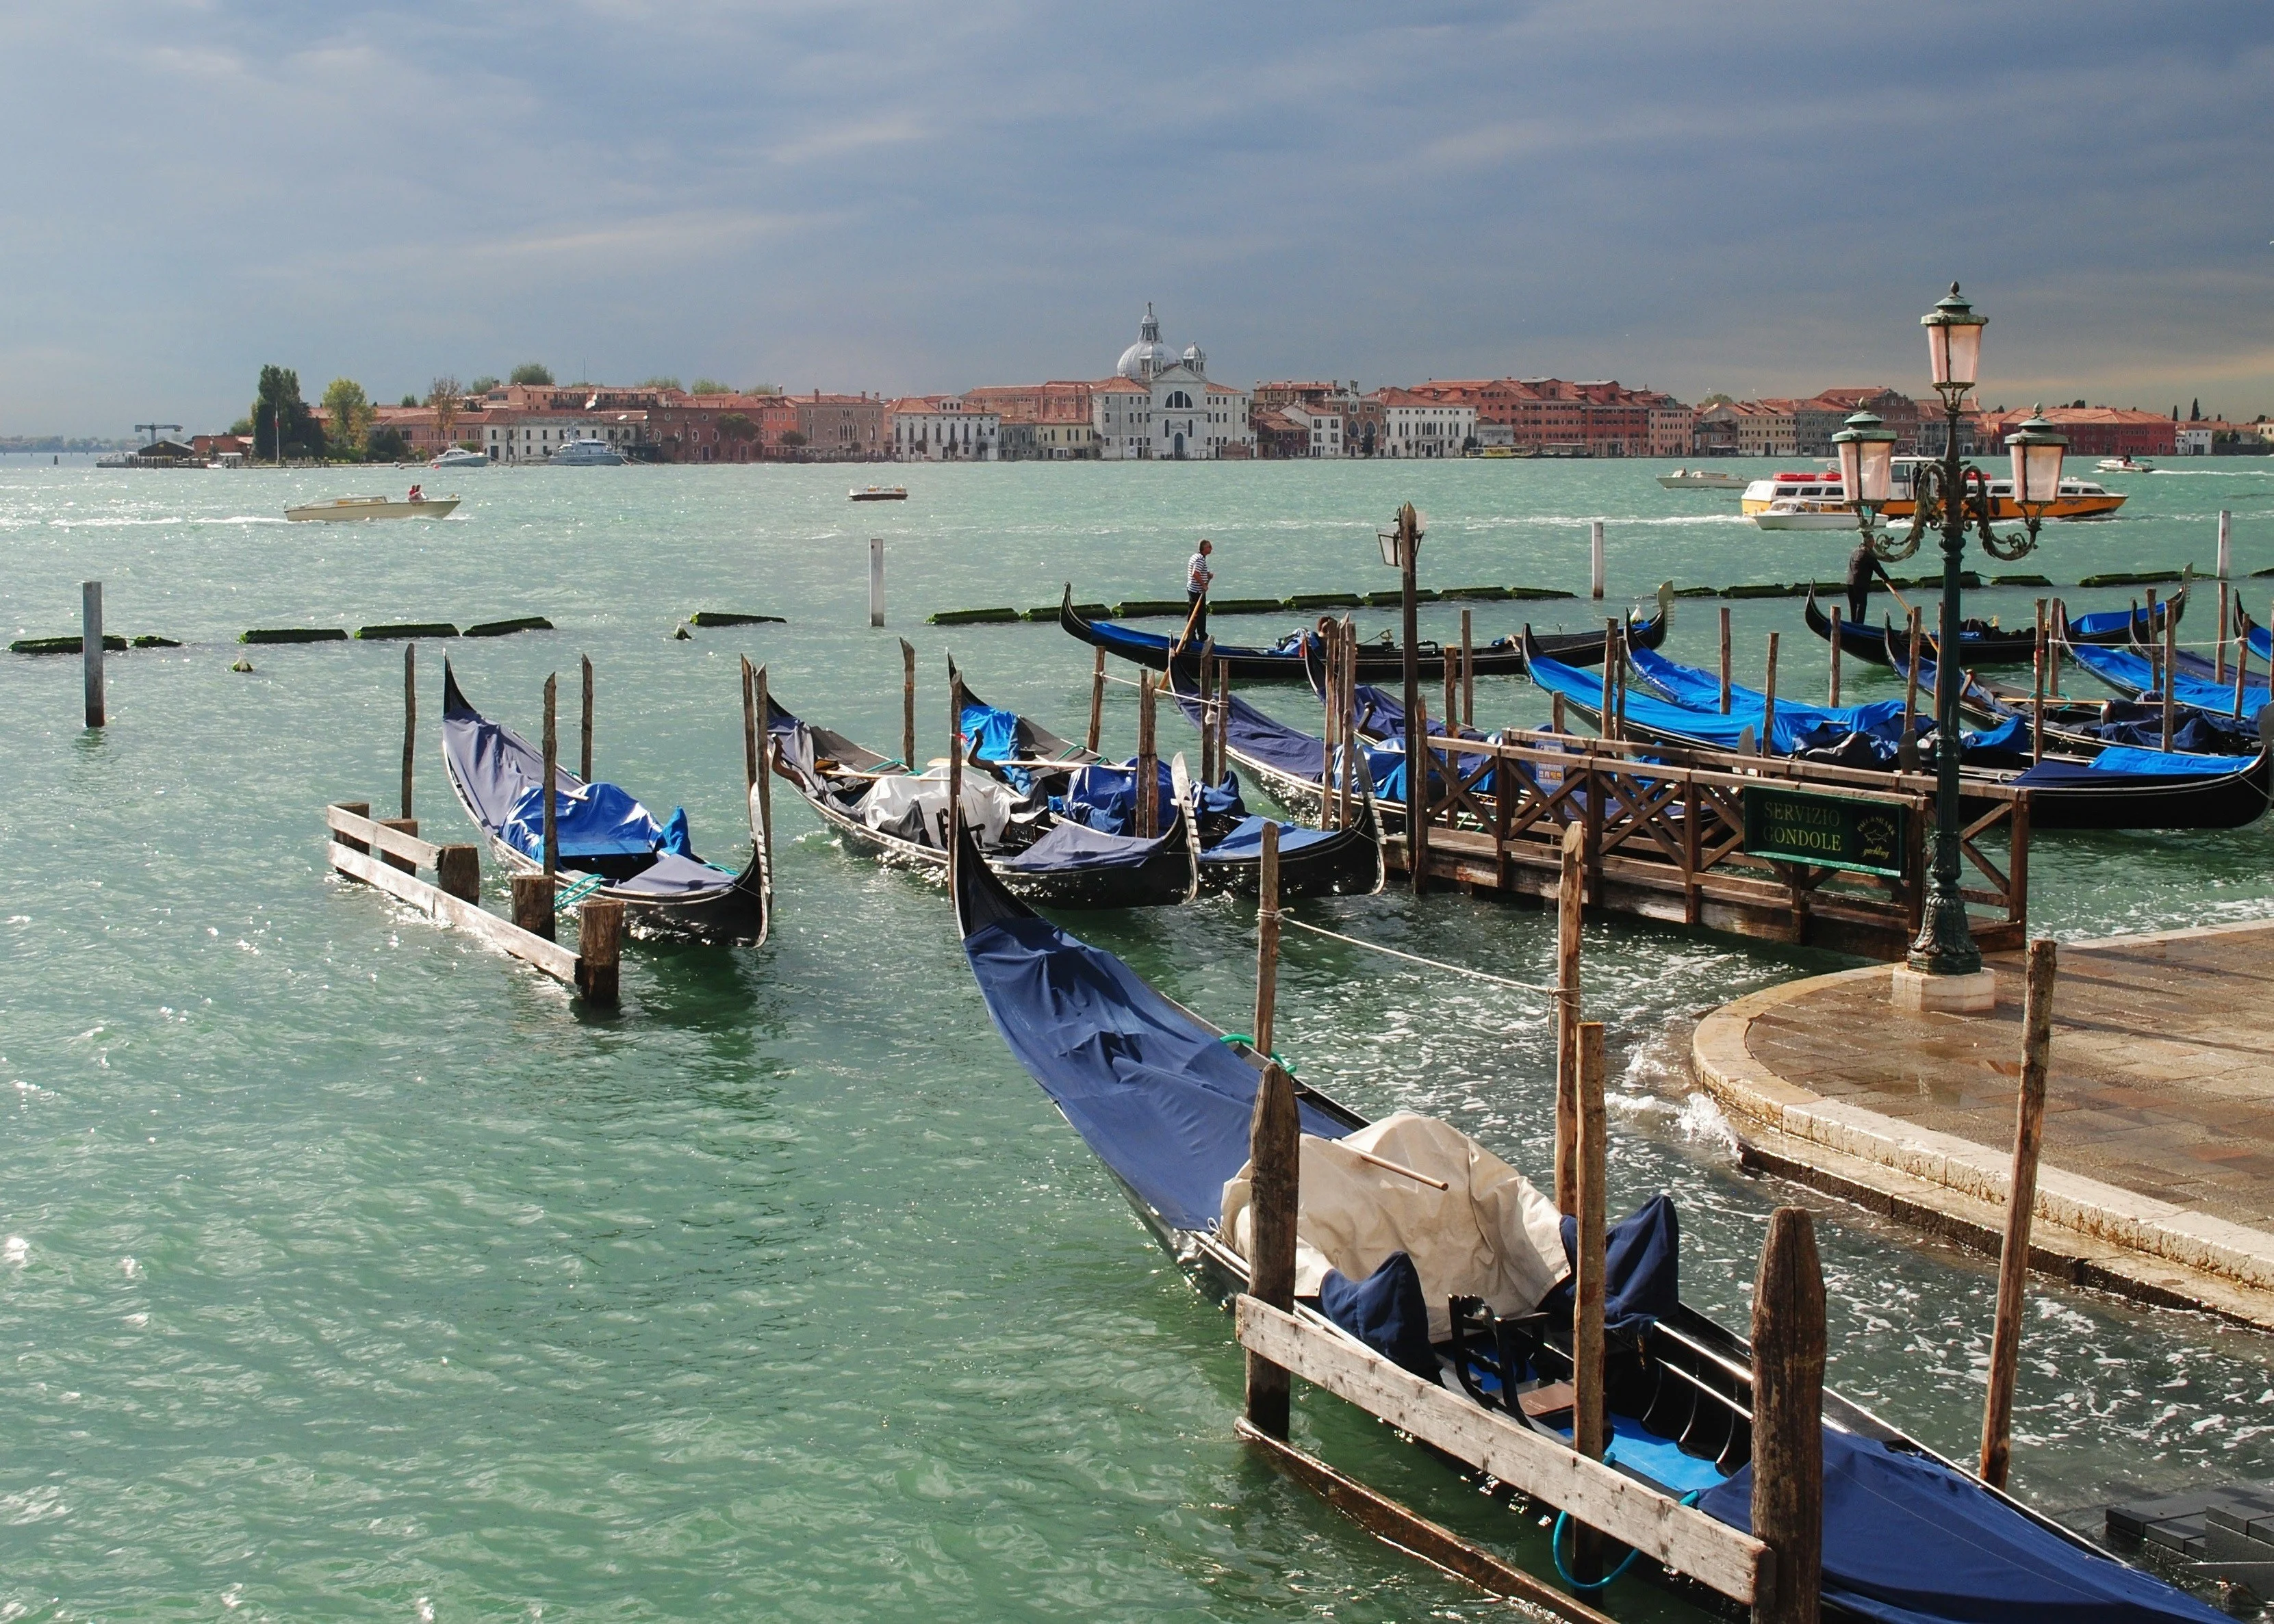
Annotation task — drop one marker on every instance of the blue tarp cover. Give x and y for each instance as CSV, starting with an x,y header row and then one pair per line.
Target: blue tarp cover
x,y
1799,727
1385,1311
1159,1100
2102,622
1642,1259
592,820
1103,795
1069,847
2129,673
2124,759
1246,838
1907,1541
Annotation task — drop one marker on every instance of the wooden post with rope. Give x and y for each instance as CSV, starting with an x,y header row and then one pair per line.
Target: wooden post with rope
x,y
1768,703
1275,1151
1096,695
1589,1410
1570,901
1146,791
2020,1205
1211,768
1789,1416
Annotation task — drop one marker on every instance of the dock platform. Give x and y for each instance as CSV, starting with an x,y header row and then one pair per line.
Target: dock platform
x,y
2158,1174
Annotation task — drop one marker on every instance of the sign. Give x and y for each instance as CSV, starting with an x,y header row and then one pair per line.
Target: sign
x,y
1826,831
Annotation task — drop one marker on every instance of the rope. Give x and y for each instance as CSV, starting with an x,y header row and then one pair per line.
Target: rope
x,y
1277,1059
1584,1586
1433,963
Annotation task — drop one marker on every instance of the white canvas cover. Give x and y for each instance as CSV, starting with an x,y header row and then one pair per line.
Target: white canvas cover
x,y
987,805
1490,1235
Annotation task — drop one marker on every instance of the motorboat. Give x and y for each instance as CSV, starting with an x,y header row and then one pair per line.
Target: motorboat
x,y
1700,480
2123,465
2079,499
341,508
1805,513
879,493
586,452
460,456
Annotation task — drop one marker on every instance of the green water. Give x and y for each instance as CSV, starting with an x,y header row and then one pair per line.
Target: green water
x,y
349,1270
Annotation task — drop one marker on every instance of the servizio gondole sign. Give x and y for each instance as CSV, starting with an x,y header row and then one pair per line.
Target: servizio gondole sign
x,y
1861,836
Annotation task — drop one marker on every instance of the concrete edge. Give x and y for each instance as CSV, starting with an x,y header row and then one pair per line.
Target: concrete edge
x,y
1724,1065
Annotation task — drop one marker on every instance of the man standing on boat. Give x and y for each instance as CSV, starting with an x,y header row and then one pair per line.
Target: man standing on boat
x,y
1863,565
1198,577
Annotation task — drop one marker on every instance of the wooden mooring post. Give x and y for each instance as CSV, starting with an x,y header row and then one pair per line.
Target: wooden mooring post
x,y
1146,805
1096,694
2037,704
1273,1152
1590,1409
1468,674
953,831
2225,612
1789,1416
90,650
1910,681
585,720
2020,1205
2171,645
552,785
409,721
750,739
766,787
1211,768
1838,630
1725,660
1570,897
876,581
1768,703
599,949
908,706
1607,708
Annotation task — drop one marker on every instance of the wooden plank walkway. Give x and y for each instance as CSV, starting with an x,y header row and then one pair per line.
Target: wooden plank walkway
x,y
2159,1110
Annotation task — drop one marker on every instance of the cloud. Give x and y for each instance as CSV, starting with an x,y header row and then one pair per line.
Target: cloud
x,y
909,199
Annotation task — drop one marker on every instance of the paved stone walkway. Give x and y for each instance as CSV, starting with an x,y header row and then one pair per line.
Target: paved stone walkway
x,y
2159,1120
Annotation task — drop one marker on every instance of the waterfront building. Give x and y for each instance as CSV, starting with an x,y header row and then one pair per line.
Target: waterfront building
x,y
2092,430
1159,405
1767,428
1049,422
839,427
735,427
1320,423
532,437
1816,420
1278,437
1418,424
1554,416
942,428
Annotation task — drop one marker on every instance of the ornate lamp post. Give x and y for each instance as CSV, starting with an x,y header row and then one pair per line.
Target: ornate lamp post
x,y
1950,496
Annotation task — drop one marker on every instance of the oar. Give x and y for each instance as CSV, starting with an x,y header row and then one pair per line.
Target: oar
x,y
1184,636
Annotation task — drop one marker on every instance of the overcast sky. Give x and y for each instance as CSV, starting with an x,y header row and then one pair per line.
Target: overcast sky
x,y
1759,199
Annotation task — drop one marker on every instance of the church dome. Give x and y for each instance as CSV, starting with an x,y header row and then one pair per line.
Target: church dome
x,y
1148,355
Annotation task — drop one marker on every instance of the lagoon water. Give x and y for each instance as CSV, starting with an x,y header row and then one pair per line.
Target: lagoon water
x,y
349,1270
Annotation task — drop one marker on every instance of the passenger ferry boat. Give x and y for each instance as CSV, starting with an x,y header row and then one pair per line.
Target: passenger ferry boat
x,y
2079,499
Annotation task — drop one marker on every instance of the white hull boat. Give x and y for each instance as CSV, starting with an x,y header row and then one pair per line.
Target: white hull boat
x,y
1701,479
341,508
586,454
458,456
1800,513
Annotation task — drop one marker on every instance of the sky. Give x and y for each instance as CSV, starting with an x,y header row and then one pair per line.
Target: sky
x,y
1756,198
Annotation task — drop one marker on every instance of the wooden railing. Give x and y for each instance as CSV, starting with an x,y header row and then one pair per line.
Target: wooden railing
x,y
1665,836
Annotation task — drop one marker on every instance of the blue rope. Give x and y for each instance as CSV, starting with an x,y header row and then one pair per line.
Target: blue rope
x,y
1586,1586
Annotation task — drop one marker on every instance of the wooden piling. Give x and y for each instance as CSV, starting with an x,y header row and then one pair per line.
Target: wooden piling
x,y
552,784
1354,757
2037,704
1606,711
876,581
1223,717
585,720
1595,559
402,825
1590,1412
409,720
1555,715
458,872
1210,769
953,832
766,830
360,808
1147,787
1096,694
1468,674
2170,642
532,904
1570,898
1273,1152
2020,1205
90,648
1910,681
1331,742
2225,610
1768,704
1725,660
599,949
2241,668
2057,635
1789,1416
1838,630
1452,709
908,705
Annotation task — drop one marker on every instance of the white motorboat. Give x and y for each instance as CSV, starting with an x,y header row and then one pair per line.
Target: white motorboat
x,y
1802,513
345,507
1701,479
880,493
2078,498
2123,465
586,452
460,456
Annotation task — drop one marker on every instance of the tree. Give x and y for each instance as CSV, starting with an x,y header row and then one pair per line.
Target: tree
x,y
711,385
533,373
387,445
2195,412
242,428
661,381
482,385
763,389
277,406
346,416
443,395
792,438
408,400
736,425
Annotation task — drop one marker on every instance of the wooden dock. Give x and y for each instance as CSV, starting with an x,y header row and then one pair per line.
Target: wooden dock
x,y
1716,839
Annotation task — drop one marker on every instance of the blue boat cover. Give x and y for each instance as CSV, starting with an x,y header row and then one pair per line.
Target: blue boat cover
x,y
1642,1272
1159,1099
1118,638
2262,643
1908,1541
2164,763
1277,745
994,734
1102,794
1068,847
1245,839
592,820
2129,673
2101,622
1385,1311
1799,727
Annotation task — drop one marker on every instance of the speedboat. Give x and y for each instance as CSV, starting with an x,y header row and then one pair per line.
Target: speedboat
x,y
1806,513
460,456
880,493
2078,498
586,452
2123,465
1700,480
344,508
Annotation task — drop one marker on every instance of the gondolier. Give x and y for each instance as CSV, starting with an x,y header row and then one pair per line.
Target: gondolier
x,y
1863,565
1198,578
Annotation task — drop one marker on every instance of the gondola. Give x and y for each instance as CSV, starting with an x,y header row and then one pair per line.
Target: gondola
x,y
2084,727
610,844
1284,660
1289,764
2120,788
1312,862
1981,644
1052,862
1164,1100
2134,676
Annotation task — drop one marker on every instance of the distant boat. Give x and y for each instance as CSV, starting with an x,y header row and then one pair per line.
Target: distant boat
x,y
2123,465
460,456
880,493
344,508
586,453
1801,513
1700,480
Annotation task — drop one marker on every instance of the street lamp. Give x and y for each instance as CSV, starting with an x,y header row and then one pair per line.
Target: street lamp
x,y
1867,462
1949,496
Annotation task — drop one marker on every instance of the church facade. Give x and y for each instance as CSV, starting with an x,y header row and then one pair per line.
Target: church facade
x,y
1160,406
